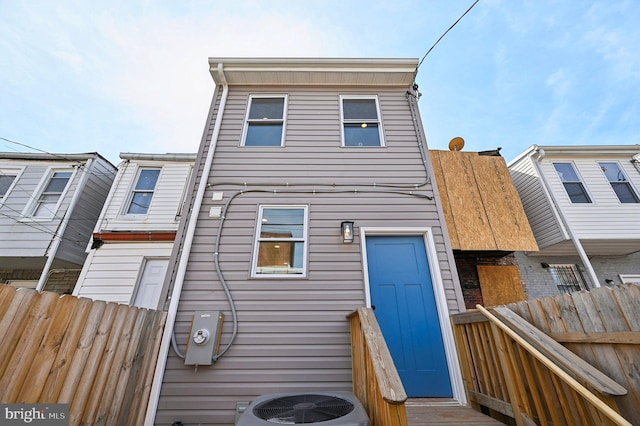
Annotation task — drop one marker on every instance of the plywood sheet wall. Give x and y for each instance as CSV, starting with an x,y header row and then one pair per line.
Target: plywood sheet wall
x,y
482,207
500,285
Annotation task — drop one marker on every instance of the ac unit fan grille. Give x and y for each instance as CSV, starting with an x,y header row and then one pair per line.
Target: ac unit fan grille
x,y
300,409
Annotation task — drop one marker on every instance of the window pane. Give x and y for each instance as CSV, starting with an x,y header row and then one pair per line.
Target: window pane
x,y
5,183
356,135
566,172
280,258
282,223
624,192
58,182
264,134
46,205
266,108
612,172
359,109
147,180
140,203
577,193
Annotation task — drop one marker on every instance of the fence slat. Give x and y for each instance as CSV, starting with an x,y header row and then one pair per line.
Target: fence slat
x,y
63,361
27,347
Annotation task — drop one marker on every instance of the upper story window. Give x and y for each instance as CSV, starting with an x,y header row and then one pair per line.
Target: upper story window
x,y
264,125
142,192
361,124
619,183
572,183
49,198
281,241
7,178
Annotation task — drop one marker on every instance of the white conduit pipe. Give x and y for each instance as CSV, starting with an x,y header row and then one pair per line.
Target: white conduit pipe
x,y
576,241
184,257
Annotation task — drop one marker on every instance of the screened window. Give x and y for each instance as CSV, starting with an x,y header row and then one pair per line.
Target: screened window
x,y
142,193
572,183
621,186
567,278
360,122
265,121
47,201
281,241
6,180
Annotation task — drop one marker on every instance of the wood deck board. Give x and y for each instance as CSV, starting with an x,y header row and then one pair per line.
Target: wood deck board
x,y
433,413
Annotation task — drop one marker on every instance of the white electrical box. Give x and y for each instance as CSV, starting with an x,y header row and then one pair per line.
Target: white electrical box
x,y
204,337
217,196
215,212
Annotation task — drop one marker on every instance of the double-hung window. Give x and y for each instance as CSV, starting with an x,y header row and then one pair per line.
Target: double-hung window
x,y
265,121
619,182
361,124
49,198
281,241
7,178
142,192
572,183
567,278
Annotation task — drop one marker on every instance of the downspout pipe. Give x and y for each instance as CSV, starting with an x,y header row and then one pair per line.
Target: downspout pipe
x,y
172,312
539,153
57,239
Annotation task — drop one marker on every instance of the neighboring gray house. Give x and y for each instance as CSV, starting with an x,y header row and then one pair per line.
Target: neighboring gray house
x,y
133,238
583,204
293,152
49,204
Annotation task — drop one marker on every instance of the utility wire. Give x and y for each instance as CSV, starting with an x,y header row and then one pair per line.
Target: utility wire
x,y
444,34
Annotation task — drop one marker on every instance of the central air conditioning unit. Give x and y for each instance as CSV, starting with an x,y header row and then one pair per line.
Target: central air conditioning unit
x,y
316,408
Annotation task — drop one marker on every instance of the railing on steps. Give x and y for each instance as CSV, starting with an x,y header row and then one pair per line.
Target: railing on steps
x,y
520,374
375,380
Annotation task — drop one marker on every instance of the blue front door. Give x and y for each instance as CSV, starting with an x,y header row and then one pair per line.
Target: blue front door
x,y
405,306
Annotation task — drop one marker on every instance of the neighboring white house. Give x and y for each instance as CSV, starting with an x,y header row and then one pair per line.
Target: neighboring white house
x,y
583,204
133,238
49,204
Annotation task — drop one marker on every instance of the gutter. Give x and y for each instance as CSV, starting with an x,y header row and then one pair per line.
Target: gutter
x,y
163,353
57,240
572,236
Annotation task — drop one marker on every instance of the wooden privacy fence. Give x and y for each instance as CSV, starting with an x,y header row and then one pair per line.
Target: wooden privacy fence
x,y
97,357
515,370
376,382
602,327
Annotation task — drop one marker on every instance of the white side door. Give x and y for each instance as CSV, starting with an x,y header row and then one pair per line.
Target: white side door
x,y
150,284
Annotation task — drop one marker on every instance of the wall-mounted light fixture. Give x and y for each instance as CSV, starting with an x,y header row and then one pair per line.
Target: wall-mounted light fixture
x,y
346,229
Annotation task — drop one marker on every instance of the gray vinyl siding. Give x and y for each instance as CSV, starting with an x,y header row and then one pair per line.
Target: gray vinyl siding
x,y
86,211
293,332
21,236
544,223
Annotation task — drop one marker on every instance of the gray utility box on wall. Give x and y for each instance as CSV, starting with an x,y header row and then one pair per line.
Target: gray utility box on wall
x,y
204,337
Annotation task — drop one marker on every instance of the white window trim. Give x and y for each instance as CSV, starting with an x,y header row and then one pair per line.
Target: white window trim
x,y
592,200
624,173
29,209
342,120
245,126
455,374
10,171
132,186
630,278
305,238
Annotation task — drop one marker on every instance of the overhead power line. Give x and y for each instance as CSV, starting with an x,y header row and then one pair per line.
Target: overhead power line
x,y
445,33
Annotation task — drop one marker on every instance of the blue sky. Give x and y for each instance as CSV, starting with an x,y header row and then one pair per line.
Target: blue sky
x,y
132,76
